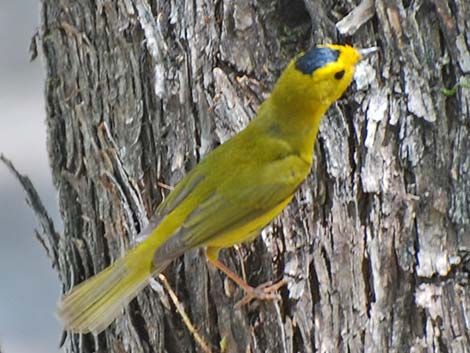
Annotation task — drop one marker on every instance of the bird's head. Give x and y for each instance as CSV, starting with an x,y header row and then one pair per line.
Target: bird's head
x,y
320,75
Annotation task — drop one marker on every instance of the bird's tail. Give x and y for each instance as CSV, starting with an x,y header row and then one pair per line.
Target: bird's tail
x,y
92,305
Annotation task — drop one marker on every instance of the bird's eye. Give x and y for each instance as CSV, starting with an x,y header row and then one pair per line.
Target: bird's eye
x,y
339,75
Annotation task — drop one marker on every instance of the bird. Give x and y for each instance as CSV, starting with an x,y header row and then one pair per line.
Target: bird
x,y
231,194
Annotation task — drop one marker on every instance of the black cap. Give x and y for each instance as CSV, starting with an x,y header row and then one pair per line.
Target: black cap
x,y
316,58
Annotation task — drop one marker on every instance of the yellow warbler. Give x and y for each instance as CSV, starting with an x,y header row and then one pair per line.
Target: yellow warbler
x,y
234,192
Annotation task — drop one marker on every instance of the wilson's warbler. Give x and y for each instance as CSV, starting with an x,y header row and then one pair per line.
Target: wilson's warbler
x,y
234,192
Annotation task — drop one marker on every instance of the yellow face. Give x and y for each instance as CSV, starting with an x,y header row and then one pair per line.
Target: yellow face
x,y
324,72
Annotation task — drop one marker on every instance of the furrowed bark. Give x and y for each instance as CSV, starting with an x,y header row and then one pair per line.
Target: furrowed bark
x,y
375,245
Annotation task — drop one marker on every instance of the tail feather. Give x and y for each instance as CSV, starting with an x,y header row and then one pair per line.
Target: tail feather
x,y
94,304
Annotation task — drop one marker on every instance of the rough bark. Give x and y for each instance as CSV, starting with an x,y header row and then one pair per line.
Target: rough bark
x,y
375,246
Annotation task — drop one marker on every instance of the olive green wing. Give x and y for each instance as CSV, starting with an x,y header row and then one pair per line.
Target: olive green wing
x,y
238,202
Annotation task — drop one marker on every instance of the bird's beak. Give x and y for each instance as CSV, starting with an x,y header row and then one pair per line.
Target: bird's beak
x,y
364,53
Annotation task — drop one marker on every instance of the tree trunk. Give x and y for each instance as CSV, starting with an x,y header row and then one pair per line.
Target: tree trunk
x,y
375,245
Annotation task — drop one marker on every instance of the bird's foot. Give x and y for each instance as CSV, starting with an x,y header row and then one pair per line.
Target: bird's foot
x,y
264,292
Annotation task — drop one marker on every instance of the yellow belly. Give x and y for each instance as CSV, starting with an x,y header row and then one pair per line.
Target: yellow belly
x,y
246,232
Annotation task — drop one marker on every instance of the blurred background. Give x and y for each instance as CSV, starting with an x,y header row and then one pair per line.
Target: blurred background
x,y
29,288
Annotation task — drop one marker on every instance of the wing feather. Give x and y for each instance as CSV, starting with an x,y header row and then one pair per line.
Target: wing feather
x,y
238,201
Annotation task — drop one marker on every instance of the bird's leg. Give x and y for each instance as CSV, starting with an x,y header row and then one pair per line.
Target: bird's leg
x,y
266,291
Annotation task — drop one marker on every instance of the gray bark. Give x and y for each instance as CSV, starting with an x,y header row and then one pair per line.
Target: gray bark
x,y
375,246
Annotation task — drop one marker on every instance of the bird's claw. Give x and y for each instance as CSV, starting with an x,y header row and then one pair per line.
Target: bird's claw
x,y
266,291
